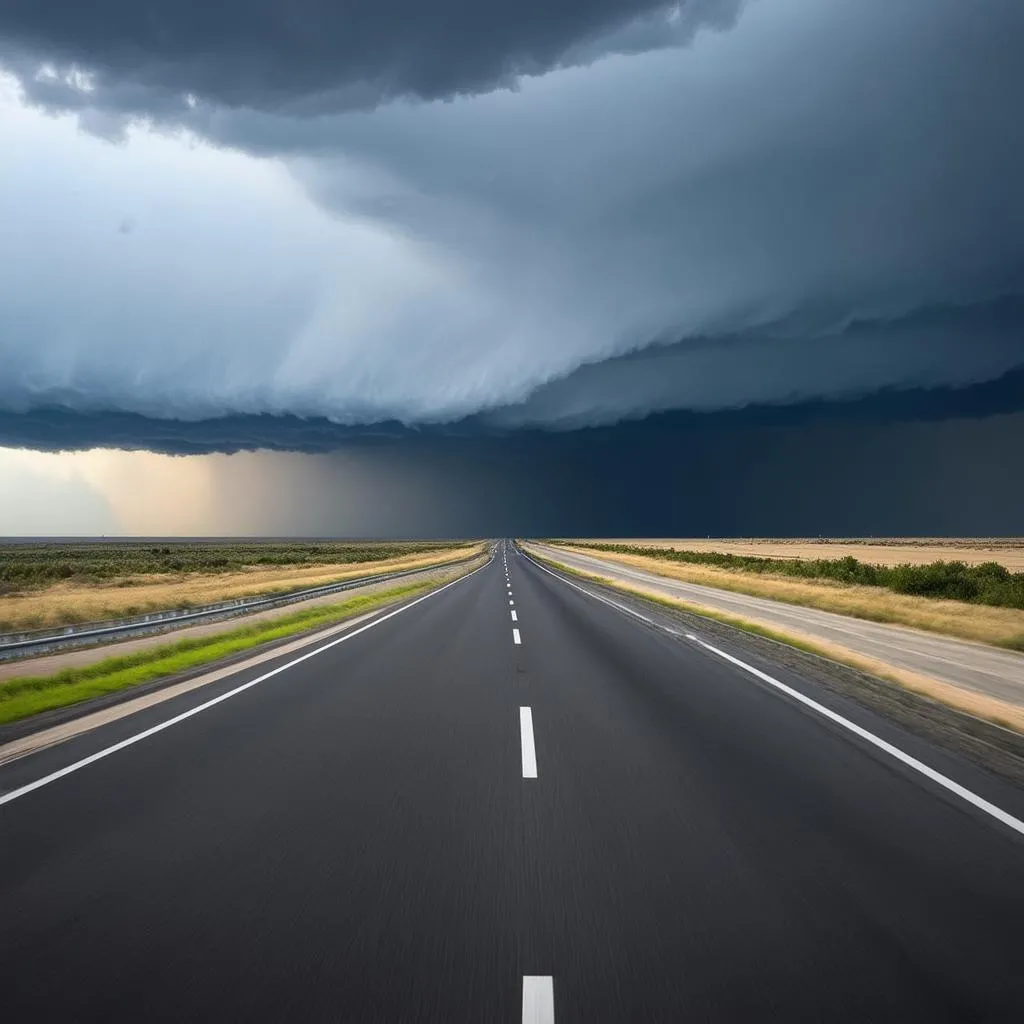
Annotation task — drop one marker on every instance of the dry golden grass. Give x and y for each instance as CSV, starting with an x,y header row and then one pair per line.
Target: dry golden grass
x,y
1001,626
78,602
1008,551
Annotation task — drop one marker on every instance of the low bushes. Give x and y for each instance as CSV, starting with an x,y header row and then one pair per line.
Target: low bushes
x,y
41,564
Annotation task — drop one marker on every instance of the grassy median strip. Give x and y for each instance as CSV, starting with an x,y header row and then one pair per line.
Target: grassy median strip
x,y
28,695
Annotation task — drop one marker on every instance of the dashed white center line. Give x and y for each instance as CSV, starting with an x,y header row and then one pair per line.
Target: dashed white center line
x,y
515,618
510,601
516,638
538,999
526,738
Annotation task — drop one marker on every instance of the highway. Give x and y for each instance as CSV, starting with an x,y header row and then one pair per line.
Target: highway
x,y
508,800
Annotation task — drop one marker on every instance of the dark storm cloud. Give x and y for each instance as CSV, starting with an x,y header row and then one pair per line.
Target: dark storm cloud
x,y
320,54
825,201
792,362
805,473
56,429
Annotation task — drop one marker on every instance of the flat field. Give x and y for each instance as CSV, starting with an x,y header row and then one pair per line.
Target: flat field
x,y
53,584
1007,551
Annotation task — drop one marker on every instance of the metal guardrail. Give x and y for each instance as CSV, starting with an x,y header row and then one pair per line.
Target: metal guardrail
x,y
15,645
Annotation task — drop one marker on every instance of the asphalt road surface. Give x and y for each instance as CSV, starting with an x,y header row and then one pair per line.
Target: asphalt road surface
x,y
509,801
972,666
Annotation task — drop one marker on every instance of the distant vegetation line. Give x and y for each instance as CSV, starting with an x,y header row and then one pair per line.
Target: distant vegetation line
x,y
34,565
988,583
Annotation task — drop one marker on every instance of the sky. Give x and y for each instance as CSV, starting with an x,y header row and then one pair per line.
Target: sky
x,y
567,267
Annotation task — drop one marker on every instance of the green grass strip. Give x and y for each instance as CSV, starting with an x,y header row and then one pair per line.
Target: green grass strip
x,y
28,695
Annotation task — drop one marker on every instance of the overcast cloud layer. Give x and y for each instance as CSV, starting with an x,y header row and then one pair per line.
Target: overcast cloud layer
x,y
310,55
242,210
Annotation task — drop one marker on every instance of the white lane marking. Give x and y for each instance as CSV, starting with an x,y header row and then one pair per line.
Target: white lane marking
x,y
911,762
6,798
526,739
510,601
515,617
516,638
538,999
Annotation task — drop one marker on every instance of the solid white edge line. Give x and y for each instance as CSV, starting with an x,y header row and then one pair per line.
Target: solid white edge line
x,y
14,794
595,597
516,638
515,616
911,762
538,999
526,741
